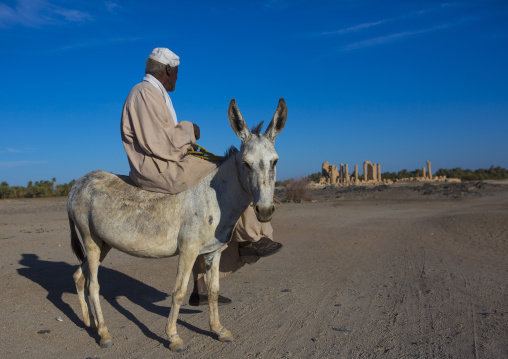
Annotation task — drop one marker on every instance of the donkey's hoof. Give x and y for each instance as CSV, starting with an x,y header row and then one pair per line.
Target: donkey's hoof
x,y
226,337
176,345
106,343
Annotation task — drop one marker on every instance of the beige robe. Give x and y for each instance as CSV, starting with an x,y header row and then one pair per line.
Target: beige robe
x,y
155,147
248,229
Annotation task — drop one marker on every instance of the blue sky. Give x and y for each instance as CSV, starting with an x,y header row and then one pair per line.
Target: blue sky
x,y
393,82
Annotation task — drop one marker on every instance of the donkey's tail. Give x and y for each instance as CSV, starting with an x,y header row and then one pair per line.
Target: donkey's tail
x,y
77,247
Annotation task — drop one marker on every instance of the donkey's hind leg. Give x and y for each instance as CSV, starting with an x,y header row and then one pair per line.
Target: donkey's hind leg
x,y
80,278
97,250
212,281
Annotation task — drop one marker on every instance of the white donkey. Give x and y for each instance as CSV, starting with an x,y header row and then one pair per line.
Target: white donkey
x,y
109,212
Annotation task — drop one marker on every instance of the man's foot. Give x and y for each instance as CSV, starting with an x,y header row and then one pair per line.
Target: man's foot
x,y
263,248
202,299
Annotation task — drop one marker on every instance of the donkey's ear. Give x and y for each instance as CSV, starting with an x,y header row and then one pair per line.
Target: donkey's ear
x,y
237,123
278,121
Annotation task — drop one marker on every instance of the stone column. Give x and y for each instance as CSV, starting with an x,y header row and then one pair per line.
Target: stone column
x,y
324,170
356,175
424,172
379,172
334,173
429,170
365,171
371,172
346,174
341,174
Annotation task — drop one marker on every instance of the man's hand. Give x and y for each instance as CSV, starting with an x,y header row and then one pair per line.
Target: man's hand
x,y
196,131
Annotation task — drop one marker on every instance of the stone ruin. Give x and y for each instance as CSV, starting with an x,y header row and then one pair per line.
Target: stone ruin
x,y
340,176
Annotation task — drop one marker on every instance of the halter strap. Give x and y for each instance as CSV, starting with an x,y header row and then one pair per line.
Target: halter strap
x,y
238,173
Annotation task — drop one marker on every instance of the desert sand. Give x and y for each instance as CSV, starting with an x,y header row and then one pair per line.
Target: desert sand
x,y
382,272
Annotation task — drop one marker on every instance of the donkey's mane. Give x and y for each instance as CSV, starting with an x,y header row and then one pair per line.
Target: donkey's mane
x,y
230,152
256,130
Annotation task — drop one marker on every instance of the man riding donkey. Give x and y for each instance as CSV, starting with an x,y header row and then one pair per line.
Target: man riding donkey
x,y
157,148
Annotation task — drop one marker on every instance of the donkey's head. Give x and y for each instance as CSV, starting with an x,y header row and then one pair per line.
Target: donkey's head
x,y
257,158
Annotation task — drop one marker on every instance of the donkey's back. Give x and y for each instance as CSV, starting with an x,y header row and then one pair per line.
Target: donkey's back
x,y
118,187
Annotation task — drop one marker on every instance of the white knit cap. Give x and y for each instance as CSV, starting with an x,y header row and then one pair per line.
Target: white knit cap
x,y
165,56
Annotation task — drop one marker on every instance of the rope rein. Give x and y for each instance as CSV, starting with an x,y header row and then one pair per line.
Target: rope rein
x,y
204,154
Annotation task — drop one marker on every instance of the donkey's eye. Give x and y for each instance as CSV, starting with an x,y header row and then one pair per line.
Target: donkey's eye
x,y
274,163
247,165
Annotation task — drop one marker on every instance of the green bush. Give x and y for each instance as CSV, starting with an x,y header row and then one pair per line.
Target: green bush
x,y
315,177
38,189
493,173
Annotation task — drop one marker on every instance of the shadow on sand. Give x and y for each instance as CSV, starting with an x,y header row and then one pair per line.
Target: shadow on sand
x,y
56,278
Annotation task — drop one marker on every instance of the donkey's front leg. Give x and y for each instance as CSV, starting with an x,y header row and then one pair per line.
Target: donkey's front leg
x,y
185,264
212,281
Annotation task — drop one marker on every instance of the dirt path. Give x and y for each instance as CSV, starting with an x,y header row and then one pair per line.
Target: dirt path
x,y
382,277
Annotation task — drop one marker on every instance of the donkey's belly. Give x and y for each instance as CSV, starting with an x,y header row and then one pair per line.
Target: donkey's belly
x,y
145,247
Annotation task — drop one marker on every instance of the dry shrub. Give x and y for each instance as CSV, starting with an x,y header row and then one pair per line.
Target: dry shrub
x,y
298,190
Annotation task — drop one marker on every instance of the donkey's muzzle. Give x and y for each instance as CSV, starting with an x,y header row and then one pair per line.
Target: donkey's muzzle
x,y
264,214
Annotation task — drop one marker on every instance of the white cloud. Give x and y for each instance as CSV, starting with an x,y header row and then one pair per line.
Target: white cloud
x,y
111,6
367,25
14,150
18,150
73,15
35,13
7,14
355,28
388,38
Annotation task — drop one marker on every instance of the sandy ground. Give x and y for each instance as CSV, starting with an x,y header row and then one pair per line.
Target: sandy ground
x,y
384,272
